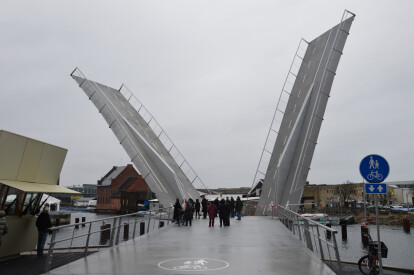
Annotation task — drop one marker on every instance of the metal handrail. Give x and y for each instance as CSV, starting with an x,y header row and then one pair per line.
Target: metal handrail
x,y
115,230
278,109
293,220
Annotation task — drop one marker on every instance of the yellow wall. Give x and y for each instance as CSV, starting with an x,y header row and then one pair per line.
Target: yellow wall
x,y
21,237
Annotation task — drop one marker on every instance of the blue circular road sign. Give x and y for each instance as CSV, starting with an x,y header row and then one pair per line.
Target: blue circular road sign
x,y
374,168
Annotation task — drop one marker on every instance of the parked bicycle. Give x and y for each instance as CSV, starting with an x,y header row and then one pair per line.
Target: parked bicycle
x,y
369,264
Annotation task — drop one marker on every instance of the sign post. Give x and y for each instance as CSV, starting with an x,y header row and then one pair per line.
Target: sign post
x,y
375,169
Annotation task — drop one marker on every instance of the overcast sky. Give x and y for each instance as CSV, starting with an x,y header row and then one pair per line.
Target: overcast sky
x,y
211,73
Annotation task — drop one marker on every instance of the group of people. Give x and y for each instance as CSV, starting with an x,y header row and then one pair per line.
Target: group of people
x,y
224,208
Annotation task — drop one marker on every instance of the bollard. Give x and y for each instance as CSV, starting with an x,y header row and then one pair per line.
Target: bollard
x,y
77,221
328,233
142,228
105,233
161,224
126,231
406,225
364,238
57,222
83,220
344,232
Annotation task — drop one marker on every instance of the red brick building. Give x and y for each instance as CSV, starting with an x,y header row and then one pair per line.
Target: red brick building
x,y
121,189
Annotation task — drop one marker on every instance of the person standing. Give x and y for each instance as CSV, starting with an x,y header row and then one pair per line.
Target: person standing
x,y
177,211
239,207
222,212
43,223
204,204
197,208
189,212
232,204
3,225
212,212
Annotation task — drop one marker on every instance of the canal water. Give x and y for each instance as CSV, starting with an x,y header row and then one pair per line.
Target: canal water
x,y
400,244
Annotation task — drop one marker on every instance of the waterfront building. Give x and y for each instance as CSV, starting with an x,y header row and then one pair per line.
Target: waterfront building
x,y
346,194
121,190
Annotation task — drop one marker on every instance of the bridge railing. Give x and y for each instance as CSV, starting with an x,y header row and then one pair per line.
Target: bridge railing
x,y
319,238
74,241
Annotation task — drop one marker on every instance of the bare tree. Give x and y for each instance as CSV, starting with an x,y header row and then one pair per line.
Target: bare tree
x,y
346,191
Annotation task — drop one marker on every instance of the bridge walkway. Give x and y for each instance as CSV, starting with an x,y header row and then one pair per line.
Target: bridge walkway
x,y
252,245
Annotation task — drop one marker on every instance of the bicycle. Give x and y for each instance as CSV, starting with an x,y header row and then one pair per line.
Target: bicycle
x,y
369,264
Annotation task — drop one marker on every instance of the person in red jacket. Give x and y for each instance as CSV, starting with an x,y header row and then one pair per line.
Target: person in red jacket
x,y
212,213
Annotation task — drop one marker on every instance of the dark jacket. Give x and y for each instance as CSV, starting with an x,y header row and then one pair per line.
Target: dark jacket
x,y
222,209
204,203
177,210
239,205
43,222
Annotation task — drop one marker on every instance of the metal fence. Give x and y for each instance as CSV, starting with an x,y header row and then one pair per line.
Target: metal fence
x,y
317,237
71,242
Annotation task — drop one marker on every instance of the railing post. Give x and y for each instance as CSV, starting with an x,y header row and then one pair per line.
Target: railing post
x,y
87,240
135,227
320,244
298,225
118,230
50,252
111,241
149,221
307,235
338,259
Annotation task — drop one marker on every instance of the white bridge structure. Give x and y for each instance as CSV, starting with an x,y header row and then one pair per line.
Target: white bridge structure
x,y
288,151
155,156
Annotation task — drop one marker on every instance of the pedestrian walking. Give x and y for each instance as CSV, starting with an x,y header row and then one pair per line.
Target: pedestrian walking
x,y
239,207
212,213
197,208
3,225
204,204
43,223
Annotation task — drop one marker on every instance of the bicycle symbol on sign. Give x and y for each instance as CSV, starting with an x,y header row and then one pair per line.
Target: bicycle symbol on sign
x,y
374,175
373,164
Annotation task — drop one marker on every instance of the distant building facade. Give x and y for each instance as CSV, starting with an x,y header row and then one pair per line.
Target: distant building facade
x,y
329,195
121,189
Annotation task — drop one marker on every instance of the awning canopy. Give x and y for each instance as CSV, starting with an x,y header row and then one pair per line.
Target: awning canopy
x,y
32,187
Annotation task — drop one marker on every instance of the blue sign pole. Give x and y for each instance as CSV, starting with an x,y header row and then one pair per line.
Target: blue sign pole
x,y
375,169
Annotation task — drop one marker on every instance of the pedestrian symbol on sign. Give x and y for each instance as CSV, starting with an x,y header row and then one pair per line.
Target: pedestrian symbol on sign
x,y
374,168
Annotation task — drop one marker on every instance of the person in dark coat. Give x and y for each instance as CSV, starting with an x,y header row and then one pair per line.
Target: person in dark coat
x,y
212,213
204,204
177,211
197,208
232,204
189,212
222,211
227,218
43,223
239,207
216,202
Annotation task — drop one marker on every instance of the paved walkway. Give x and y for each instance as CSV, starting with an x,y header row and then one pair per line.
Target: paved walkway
x,y
251,246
